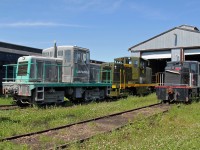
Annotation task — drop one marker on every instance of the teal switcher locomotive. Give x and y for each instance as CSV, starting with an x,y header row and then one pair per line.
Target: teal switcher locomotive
x,y
61,71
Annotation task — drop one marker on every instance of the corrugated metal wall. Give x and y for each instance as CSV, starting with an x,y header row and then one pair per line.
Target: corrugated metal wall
x,y
170,40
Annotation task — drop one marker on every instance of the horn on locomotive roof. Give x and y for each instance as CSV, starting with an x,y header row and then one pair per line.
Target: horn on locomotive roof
x,y
55,49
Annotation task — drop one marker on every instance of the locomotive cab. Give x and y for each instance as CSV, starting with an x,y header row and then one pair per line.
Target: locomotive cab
x,y
183,73
136,70
76,62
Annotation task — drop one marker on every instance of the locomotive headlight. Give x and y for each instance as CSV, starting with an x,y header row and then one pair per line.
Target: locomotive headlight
x,y
170,91
171,94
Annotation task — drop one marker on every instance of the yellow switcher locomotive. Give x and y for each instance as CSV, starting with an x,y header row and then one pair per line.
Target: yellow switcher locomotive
x,y
129,75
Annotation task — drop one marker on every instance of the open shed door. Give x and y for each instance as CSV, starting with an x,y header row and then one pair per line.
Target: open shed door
x,y
192,54
156,54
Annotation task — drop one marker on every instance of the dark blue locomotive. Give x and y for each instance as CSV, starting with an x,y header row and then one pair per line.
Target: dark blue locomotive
x,y
181,82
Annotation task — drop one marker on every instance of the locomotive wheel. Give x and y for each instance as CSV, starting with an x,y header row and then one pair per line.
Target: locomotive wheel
x,y
75,100
20,104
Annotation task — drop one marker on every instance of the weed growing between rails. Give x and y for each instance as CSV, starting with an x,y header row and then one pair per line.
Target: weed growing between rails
x,y
20,121
177,129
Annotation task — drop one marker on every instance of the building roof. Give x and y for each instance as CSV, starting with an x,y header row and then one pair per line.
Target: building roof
x,y
20,47
187,28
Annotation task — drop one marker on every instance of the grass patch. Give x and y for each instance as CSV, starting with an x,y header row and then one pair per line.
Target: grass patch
x,y
6,101
178,129
20,121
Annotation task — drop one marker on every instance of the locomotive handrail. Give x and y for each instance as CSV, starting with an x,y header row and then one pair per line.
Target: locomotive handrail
x,y
172,84
38,79
14,70
6,72
10,65
57,65
160,78
107,72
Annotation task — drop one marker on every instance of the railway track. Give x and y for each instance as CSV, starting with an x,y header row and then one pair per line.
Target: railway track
x,y
8,107
84,130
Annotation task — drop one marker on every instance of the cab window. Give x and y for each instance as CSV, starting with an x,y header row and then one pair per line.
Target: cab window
x,y
22,68
60,53
68,55
135,63
193,68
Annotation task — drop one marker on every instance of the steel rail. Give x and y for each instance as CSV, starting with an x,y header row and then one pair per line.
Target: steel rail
x,y
66,145
69,125
8,107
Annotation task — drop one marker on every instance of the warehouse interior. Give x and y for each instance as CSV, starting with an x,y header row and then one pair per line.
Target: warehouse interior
x,y
157,65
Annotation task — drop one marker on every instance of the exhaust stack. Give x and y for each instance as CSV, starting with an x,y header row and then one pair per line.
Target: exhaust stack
x,y
55,50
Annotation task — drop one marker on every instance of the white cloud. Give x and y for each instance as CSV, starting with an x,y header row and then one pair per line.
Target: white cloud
x,y
39,24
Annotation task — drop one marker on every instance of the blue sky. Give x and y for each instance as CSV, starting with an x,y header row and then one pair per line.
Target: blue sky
x,y
107,27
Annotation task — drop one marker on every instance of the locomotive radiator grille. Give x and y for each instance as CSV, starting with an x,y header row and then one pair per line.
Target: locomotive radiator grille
x,y
172,78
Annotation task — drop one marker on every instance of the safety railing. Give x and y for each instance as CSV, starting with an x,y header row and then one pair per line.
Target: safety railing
x,y
186,79
40,75
160,76
174,84
53,73
10,72
106,76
